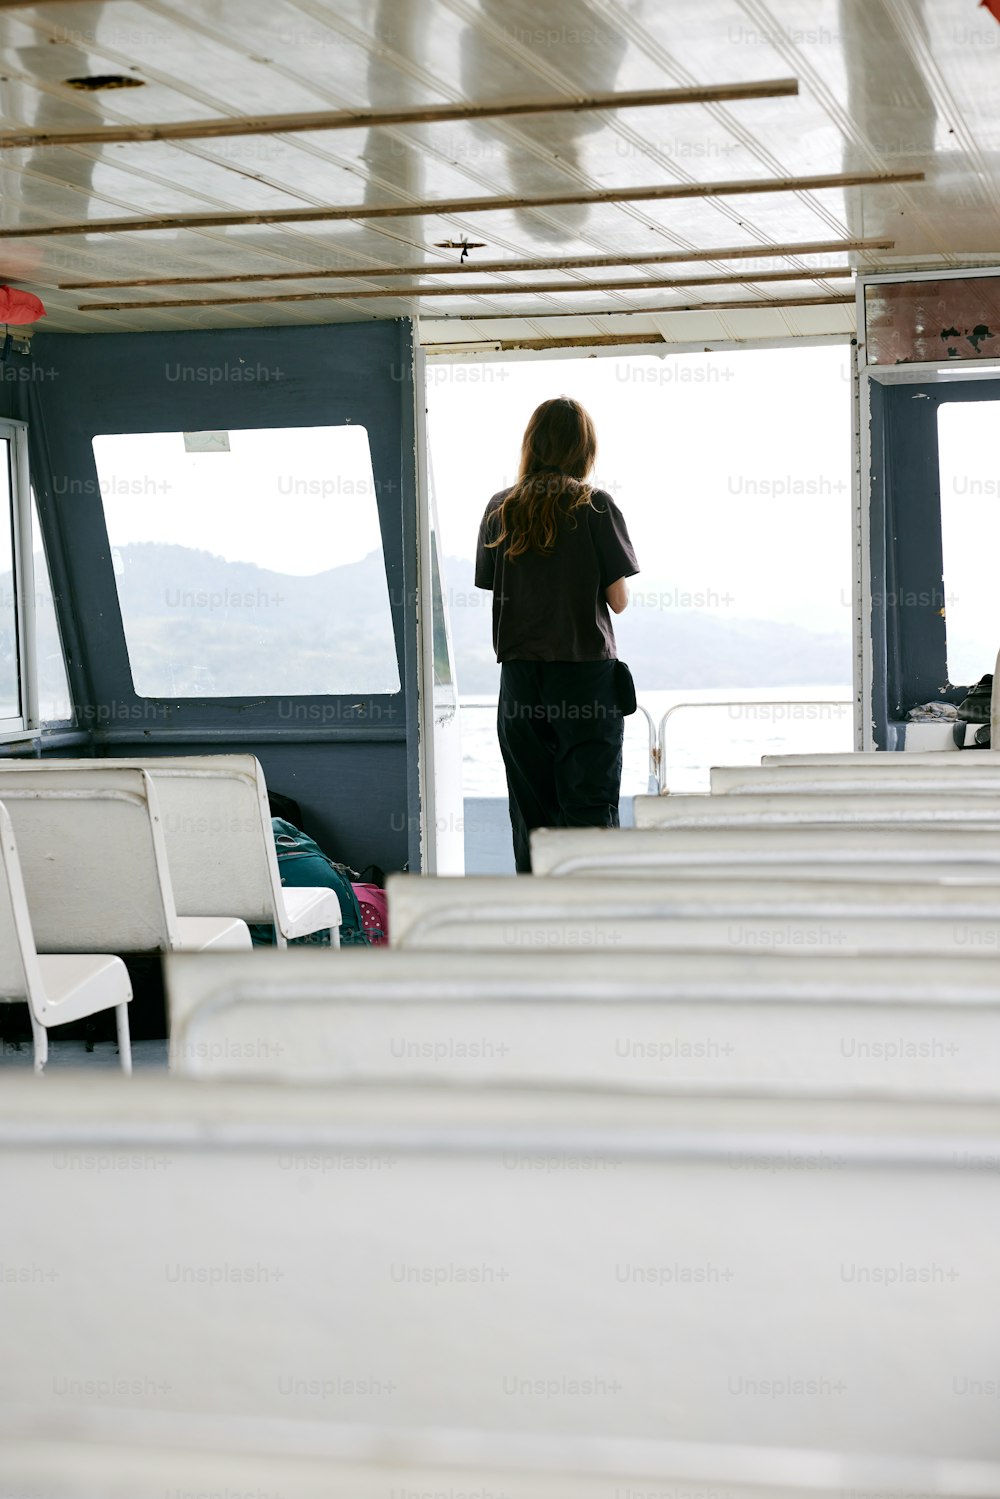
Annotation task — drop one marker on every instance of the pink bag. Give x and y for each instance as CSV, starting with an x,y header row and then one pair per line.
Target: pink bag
x,y
374,913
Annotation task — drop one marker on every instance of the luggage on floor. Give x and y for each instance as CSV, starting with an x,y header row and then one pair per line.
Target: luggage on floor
x,y
301,861
374,912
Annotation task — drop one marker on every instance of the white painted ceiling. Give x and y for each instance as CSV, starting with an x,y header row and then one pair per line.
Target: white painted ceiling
x,y
884,86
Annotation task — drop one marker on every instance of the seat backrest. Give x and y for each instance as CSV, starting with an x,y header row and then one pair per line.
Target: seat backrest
x,y
498,1278
753,914
801,852
860,808
19,974
985,758
218,832
955,776
93,859
806,1025
216,824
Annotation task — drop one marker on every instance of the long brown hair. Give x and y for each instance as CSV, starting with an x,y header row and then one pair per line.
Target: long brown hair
x,y
557,454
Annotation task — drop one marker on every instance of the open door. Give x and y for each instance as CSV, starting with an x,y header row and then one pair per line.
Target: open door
x,y
441,804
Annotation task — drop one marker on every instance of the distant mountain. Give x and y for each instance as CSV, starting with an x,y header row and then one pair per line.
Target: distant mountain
x,y
200,625
664,648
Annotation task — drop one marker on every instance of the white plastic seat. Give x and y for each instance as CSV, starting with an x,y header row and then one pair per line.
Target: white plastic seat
x,y
830,852
58,988
227,794
334,1292
952,774
219,844
750,914
871,809
210,934
888,758
306,909
924,1027
95,868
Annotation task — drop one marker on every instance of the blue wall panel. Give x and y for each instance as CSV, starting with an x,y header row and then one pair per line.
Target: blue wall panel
x,y
348,761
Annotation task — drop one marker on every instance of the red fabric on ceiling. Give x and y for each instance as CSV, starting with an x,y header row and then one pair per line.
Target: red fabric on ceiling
x,y
21,306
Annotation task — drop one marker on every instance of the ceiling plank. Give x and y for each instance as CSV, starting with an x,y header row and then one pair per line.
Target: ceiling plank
x,y
473,268
373,119
487,289
450,206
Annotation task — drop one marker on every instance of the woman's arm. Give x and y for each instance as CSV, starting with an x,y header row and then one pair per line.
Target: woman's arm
x,y
617,595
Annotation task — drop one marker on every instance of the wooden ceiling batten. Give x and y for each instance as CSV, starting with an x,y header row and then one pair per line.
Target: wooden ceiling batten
x,y
770,304
610,340
472,268
584,341
373,119
444,207
489,289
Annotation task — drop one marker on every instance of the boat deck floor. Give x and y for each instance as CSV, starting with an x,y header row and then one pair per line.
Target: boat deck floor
x,y
150,1054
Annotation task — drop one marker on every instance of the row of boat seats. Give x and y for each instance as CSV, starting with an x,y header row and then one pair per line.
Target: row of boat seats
x,y
748,907
551,1197
798,851
539,1293
748,914
959,773
127,856
923,1027
93,858
182,847
875,807
865,816
983,757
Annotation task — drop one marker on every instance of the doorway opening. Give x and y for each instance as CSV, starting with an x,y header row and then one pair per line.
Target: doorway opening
x,y
733,471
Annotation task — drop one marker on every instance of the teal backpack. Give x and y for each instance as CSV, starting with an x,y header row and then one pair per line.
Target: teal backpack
x,y
303,862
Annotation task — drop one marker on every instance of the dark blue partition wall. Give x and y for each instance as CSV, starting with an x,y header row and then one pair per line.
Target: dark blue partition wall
x,y
349,761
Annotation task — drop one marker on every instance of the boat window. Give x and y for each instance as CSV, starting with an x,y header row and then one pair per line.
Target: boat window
x,y
249,561
969,458
54,704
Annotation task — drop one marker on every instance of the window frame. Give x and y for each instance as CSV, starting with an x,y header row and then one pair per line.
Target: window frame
x,y
26,724
38,544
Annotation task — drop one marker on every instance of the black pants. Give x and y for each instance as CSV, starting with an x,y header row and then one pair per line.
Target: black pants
x,y
560,732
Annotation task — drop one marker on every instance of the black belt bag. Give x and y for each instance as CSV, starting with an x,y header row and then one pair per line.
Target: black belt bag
x,y
624,690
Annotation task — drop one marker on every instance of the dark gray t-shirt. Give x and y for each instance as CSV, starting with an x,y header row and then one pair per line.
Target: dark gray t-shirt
x,y
551,607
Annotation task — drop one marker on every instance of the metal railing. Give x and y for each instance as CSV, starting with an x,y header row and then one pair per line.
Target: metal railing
x,y
658,736
653,784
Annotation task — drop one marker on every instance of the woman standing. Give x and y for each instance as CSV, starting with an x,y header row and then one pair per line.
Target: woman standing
x,y
555,553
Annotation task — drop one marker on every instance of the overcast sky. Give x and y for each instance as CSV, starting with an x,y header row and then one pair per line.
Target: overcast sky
x,y
732,469
297,500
